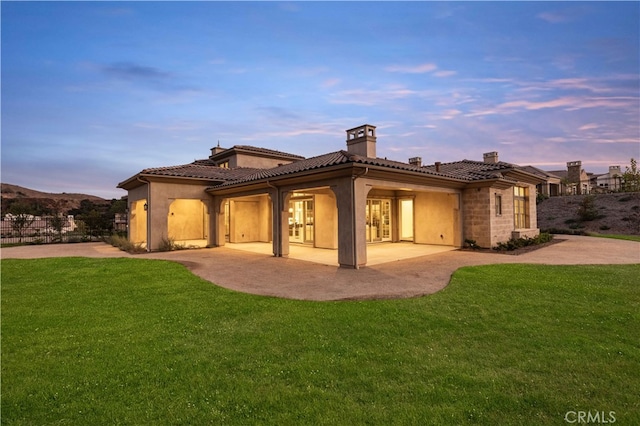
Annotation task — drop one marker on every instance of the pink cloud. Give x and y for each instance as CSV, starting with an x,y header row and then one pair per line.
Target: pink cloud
x,y
412,69
445,73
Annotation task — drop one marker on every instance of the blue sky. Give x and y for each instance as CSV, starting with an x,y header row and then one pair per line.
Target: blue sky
x,y
93,92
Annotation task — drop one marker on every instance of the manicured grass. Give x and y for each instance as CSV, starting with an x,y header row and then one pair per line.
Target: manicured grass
x,y
616,236
134,341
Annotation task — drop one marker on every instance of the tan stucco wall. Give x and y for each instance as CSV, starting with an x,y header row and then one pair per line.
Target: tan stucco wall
x,y
436,218
242,160
138,222
188,220
162,195
250,219
326,221
244,220
137,198
265,227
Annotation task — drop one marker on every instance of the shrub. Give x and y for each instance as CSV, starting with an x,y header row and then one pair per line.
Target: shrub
x,y
540,198
124,244
169,244
514,244
604,228
468,243
563,231
587,210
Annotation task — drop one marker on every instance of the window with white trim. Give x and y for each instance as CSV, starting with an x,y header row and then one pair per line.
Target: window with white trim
x,y
521,207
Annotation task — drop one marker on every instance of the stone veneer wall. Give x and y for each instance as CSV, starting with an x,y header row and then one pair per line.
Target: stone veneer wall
x,y
476,208
482,224
502,226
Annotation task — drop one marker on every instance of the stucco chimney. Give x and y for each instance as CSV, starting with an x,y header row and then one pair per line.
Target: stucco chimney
x,y
415,161
362,141
216,149
490,157
574,169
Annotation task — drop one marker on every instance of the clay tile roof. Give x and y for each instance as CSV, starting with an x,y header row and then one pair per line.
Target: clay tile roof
x,y
474,170
559,173
265,151
200,169
326,160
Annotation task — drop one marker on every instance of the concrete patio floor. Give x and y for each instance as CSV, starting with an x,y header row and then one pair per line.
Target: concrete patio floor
x,y
263,274
376,253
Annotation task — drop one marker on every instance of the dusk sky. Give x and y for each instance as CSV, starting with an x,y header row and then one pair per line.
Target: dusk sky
x,y
94,92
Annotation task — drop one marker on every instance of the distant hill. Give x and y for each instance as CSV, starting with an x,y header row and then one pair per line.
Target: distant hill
x,y
64,201
615,214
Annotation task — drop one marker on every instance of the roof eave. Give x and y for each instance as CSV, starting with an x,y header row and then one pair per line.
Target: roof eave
x,y
131,182
524,176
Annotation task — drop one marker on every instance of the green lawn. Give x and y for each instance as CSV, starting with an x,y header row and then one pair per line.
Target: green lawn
x,y
616,236
135,341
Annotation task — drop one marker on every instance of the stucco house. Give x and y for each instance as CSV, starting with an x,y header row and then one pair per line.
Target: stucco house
x,y
552,185
574,180
608,182
343,200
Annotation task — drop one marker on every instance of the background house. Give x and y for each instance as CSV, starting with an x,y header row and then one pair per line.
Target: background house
x,y
572,181
608,182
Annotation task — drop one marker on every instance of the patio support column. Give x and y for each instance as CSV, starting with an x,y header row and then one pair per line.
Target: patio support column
x,y
280,221
351,199
216,223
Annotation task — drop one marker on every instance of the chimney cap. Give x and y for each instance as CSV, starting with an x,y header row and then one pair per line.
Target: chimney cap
x,y
490,157
415,161
361,131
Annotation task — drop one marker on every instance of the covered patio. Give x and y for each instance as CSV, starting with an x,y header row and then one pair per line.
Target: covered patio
x,y
376,253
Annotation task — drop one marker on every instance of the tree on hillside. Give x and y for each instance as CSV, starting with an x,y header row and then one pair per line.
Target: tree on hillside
x,y
21,218
58,220
95,222
117,206
631,177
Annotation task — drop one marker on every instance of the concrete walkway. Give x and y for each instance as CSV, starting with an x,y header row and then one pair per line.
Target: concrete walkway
x,y
297,279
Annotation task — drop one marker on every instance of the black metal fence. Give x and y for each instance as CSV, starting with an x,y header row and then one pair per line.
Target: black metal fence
x,y
29,229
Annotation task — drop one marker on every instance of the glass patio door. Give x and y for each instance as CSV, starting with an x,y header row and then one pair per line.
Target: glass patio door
x,y
301,221
378,220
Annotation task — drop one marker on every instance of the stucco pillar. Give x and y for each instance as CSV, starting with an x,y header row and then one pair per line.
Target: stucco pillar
x,y
280,222
216,223
351,199
157,213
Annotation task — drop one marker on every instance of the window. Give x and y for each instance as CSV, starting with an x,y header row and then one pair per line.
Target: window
x,y
520,207
498,205
224,164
